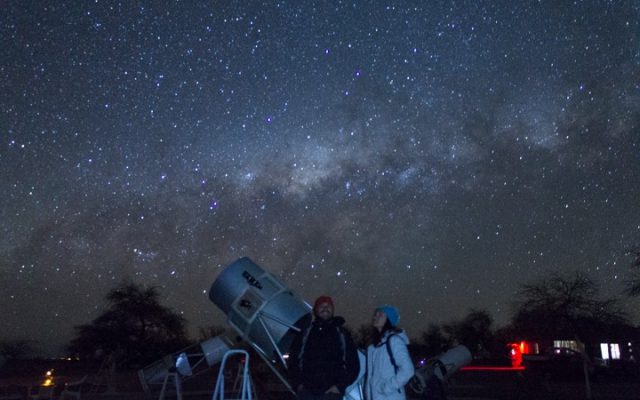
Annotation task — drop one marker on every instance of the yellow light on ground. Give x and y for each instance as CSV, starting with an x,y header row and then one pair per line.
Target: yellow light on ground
x,y
48,378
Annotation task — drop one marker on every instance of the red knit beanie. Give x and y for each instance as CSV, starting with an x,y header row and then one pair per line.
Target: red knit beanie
x,y
323,299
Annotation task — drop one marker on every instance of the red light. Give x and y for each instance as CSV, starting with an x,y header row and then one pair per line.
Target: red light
x,y
516,354
481,368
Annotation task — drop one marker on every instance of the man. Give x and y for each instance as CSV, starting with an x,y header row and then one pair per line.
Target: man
x,y
323,360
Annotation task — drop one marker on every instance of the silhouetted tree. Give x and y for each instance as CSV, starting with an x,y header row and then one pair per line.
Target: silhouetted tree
x,y
474,331
135,329
563,305
434,340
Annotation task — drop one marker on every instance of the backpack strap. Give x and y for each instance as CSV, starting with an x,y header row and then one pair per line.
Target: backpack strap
x,y
393,360
304,344
343,344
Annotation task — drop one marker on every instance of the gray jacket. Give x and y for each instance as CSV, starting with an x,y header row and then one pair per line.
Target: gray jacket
x,y
383,382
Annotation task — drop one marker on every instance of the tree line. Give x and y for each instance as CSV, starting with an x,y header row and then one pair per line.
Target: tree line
x,y
135,328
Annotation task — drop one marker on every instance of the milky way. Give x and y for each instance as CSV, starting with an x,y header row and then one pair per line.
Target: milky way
x,y
426,154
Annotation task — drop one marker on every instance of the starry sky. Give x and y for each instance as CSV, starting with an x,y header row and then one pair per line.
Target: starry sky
x,y
433,155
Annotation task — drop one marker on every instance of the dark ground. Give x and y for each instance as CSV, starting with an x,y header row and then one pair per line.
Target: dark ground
x,y
621,383
529,386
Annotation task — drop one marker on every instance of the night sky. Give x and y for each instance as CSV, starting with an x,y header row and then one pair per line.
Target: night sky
x,y
432,155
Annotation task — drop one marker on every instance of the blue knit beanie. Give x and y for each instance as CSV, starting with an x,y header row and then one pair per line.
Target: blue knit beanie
x,y
391,312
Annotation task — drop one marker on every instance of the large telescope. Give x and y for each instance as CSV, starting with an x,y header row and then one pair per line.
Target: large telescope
x,y
261,309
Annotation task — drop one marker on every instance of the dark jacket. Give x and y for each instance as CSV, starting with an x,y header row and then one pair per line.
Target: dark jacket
x,y
323,355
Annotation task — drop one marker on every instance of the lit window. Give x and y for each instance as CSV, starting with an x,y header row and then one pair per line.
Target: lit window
x,y
566,344
604,349
615,351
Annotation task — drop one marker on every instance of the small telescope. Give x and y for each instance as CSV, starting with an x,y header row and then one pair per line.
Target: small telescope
x,y
189,362
430,379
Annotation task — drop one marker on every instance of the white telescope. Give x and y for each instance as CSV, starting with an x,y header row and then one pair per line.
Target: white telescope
x,y
261,309
430,379
184,364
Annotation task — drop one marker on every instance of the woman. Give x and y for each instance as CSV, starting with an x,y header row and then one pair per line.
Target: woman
x,y
389,366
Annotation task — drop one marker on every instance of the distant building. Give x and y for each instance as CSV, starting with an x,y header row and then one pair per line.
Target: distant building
x,y
609,343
